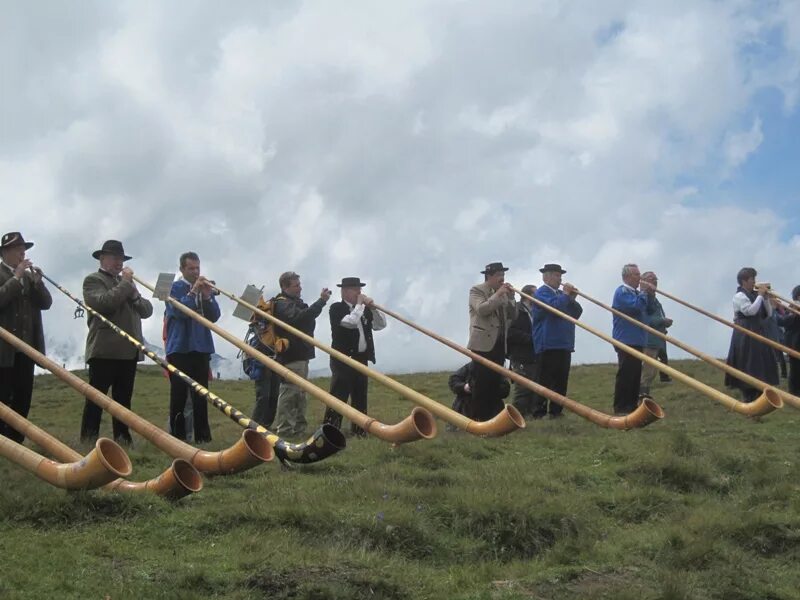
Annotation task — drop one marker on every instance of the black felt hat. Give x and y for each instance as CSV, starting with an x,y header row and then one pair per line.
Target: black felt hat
x,y
351,282
111,247
14,238
494,268
552,267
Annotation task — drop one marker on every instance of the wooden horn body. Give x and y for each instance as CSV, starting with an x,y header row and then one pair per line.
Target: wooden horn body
x,y
251,450
718,319
762,405
791,305
106,462
645,413
420,424
508,421
179,480
325,442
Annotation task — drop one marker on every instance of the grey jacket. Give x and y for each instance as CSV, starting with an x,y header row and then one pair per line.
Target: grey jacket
x,y
21,306
112,298
488,317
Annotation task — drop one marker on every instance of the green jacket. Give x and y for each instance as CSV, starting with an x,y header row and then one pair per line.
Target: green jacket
x,y
21,306
113,298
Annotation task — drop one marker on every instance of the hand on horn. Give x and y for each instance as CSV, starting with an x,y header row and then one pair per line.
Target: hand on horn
x,y
24,265
570,290
127,274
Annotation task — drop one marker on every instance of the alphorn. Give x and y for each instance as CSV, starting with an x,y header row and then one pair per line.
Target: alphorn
x,y
325,442
752,334
420,424
647,412
790,305
251,450
507,421
758,407
179,480
106,462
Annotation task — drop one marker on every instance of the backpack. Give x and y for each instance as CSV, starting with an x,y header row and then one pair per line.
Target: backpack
x,y
261,335
265,329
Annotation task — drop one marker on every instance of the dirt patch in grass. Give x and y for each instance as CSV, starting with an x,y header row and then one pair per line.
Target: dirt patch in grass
x,y
323,583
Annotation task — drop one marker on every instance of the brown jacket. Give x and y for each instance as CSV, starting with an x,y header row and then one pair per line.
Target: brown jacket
x,y
17,307
488,317
111,297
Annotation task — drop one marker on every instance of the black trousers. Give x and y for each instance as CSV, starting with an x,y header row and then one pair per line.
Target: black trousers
x,y
267,390
626,386
552,371
347,383
486,402
195,365
105,373
16,389
794,375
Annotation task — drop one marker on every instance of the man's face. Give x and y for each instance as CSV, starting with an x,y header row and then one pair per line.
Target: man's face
x,y
191,270
496,279
350,294
111,263
293,289
552,278
633,278
747,284
14,255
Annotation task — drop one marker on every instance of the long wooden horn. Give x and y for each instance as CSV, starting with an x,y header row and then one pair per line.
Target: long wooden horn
x,y
106,462
325,442
645,413
752,334
507,421
251,450
790,305
420,424
179,480
760,406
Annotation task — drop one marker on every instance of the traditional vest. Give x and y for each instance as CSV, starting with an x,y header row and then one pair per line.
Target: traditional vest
x,y
346,340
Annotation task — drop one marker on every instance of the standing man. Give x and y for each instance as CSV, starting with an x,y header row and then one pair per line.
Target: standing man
x,y
111,358
653,345
290,415
492,309
554,337
23,297
628,299
352,322
189,346
521,354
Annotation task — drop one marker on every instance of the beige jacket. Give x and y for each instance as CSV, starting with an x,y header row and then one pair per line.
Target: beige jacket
x,y
488,317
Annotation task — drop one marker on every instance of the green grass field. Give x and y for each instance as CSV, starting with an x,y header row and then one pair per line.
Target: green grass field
x,y
703,504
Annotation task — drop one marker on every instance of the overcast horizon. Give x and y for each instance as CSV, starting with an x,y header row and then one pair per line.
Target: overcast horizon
x,y
409,144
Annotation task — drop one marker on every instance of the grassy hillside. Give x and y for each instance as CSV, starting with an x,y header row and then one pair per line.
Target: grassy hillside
x,y
704,504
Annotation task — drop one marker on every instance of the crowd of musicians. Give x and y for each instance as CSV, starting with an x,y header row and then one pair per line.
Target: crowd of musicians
x,y
537,342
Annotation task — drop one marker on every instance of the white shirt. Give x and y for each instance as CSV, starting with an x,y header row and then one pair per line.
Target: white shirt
x,y
742,304
353,321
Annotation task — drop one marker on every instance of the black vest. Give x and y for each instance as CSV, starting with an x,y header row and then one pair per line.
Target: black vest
x,y
346,340
755,322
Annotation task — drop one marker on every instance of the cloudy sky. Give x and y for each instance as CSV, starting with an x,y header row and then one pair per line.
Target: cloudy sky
x,y
409,143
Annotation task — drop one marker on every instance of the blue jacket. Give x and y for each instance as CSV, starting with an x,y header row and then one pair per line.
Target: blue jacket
x,y
184,334
634,304
550,331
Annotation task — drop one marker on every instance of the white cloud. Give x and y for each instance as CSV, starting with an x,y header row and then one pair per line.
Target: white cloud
x,y
407,143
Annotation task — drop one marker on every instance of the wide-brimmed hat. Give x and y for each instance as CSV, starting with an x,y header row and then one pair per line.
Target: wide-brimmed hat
x,y
14,238
494,268
552,267
111,247
351,282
